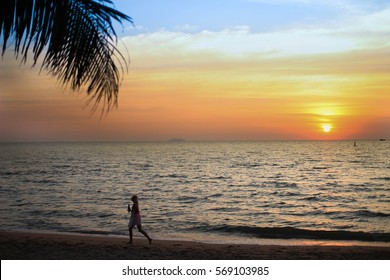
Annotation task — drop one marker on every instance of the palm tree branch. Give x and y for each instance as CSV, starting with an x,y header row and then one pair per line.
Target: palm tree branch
x,y
79,39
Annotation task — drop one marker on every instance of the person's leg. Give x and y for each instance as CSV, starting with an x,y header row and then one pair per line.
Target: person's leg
x,y
131,234
144,233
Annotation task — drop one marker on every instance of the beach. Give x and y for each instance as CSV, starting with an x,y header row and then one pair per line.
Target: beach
x,y
58,246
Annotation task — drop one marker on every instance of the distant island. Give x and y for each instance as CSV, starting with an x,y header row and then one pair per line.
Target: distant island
x,y
176,140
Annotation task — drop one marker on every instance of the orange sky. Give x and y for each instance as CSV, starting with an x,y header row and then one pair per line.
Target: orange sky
x,y
232,84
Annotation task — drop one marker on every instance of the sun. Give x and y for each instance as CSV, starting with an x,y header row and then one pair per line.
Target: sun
x,y
326,128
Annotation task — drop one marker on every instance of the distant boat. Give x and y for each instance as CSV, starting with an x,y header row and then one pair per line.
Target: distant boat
x,y
382,139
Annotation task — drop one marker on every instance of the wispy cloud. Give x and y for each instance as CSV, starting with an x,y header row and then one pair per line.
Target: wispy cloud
x,y
355,33
187,28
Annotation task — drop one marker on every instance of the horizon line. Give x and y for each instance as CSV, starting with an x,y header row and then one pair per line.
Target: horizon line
x,y
183,140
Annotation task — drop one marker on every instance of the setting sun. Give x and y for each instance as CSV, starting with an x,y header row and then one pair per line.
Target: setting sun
x,y
327,128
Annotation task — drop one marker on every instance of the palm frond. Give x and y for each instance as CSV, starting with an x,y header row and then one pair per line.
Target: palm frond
x,y
78,38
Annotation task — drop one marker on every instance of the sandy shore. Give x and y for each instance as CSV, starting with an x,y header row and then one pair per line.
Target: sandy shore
x,y
47,246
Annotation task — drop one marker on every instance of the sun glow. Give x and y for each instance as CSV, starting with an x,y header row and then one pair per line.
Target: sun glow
x,y
326,128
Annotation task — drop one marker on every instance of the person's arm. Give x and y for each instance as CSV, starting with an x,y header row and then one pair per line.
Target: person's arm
x,y
128,208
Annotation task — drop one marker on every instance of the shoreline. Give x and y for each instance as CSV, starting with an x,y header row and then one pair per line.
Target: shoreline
x,y
213,238
15,245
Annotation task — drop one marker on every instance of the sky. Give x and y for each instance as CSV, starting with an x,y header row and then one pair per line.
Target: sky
x,y
223,70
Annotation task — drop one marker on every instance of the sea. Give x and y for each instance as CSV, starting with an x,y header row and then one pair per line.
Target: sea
x,y
264,192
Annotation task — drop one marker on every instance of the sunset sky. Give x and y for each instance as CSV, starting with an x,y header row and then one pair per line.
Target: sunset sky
x,y
224,70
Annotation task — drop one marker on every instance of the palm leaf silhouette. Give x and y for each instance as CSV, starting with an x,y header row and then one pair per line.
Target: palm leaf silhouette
x,y
78,38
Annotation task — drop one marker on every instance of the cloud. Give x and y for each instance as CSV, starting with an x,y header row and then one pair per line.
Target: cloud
x,y
376,23
163,47
187,28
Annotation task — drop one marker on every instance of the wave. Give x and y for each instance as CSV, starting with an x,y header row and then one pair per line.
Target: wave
x,y
297,233
320,167
187,199
215,195
382,178
106,215
95,232
247,165
226,209
312,198
367,213
173,175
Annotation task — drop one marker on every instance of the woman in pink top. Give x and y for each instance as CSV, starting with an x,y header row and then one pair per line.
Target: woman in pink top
x,y
135,219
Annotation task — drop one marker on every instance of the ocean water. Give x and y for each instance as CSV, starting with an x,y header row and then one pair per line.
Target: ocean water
x,y
205,191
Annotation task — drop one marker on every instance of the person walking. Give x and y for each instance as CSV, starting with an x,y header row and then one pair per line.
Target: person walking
x,y
135,219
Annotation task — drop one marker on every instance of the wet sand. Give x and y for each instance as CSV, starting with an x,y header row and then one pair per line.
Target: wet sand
x,y
56,246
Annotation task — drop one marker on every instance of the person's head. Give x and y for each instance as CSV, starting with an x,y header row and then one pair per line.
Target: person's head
x,y
134,198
